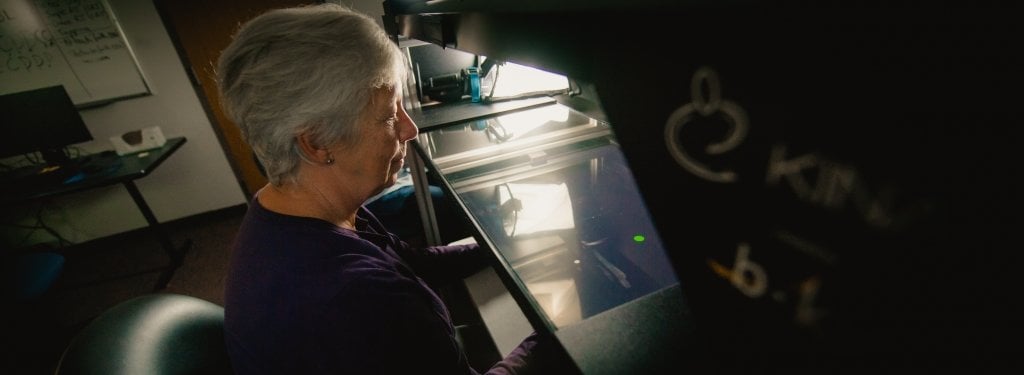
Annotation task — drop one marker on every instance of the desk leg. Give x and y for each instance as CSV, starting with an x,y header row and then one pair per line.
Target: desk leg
x,y
174,254
423,199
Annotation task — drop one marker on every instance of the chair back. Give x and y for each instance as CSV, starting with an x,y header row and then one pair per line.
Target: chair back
x,y
157,334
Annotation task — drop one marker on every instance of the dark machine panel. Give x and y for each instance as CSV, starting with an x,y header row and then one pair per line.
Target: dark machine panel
x,y
835,186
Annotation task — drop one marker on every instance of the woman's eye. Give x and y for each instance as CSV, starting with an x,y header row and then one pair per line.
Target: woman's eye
x,y
391,121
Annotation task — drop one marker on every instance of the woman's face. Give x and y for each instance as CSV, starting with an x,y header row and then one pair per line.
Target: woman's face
x,y
374,161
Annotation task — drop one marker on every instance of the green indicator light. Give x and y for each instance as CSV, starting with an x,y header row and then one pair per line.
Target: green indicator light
x,y
639,238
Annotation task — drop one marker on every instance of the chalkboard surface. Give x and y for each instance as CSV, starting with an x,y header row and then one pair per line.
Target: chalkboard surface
x,y
75,43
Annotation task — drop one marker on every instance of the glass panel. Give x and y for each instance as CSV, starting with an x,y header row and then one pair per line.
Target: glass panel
x,y
457,147
566,214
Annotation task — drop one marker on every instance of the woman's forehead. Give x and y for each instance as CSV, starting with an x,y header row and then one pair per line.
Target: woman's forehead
x,y
382,102
385,97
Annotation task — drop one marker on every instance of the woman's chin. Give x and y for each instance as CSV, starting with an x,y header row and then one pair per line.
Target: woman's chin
x,y
391,181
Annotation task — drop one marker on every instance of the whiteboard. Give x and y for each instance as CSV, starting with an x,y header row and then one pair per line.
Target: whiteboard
x,y
75,43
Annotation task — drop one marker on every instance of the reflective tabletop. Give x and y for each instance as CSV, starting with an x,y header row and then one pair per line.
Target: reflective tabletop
x,y
554,196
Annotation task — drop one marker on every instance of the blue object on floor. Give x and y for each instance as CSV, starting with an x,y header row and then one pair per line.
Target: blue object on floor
x,y
34,273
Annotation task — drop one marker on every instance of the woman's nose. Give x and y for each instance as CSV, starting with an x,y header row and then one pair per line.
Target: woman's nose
x,y
407,128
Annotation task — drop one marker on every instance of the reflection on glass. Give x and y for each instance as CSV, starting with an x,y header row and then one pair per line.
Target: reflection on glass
x,y
518,124
535,207
566,215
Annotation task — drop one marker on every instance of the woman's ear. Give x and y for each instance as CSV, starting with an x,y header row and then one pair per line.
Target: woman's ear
x,y
311,151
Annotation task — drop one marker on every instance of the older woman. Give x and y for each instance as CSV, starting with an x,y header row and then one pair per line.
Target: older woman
x,y
316,283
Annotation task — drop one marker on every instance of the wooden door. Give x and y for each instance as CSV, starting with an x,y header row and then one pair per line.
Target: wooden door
x,y
200,29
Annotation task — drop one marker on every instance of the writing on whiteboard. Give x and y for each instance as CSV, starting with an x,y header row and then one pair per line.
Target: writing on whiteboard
x,y
82,28
26,52
77,44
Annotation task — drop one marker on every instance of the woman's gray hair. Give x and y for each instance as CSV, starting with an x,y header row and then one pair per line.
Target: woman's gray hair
x,y
305,69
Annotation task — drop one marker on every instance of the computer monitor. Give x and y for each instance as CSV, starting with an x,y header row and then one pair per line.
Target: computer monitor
x,y
42,120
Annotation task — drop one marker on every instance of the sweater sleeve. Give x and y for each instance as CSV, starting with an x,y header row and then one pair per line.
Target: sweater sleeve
x,y
445,264
435,264
537,354
383,322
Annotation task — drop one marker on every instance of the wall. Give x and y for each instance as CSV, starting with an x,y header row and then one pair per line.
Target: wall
x,y
196,179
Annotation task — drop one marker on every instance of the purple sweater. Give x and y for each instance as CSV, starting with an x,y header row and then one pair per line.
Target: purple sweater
x,y
304,296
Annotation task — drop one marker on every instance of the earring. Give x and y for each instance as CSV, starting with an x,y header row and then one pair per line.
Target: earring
x,y
329,161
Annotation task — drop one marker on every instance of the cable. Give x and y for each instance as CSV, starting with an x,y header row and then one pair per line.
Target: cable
x,y
33,158
494,83
533,94
513,205
53,232
498,132
574,91
40,224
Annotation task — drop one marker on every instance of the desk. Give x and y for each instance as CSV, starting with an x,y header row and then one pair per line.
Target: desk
x,y
117,170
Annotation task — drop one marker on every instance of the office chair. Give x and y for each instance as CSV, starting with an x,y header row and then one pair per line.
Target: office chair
x,y
153,334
